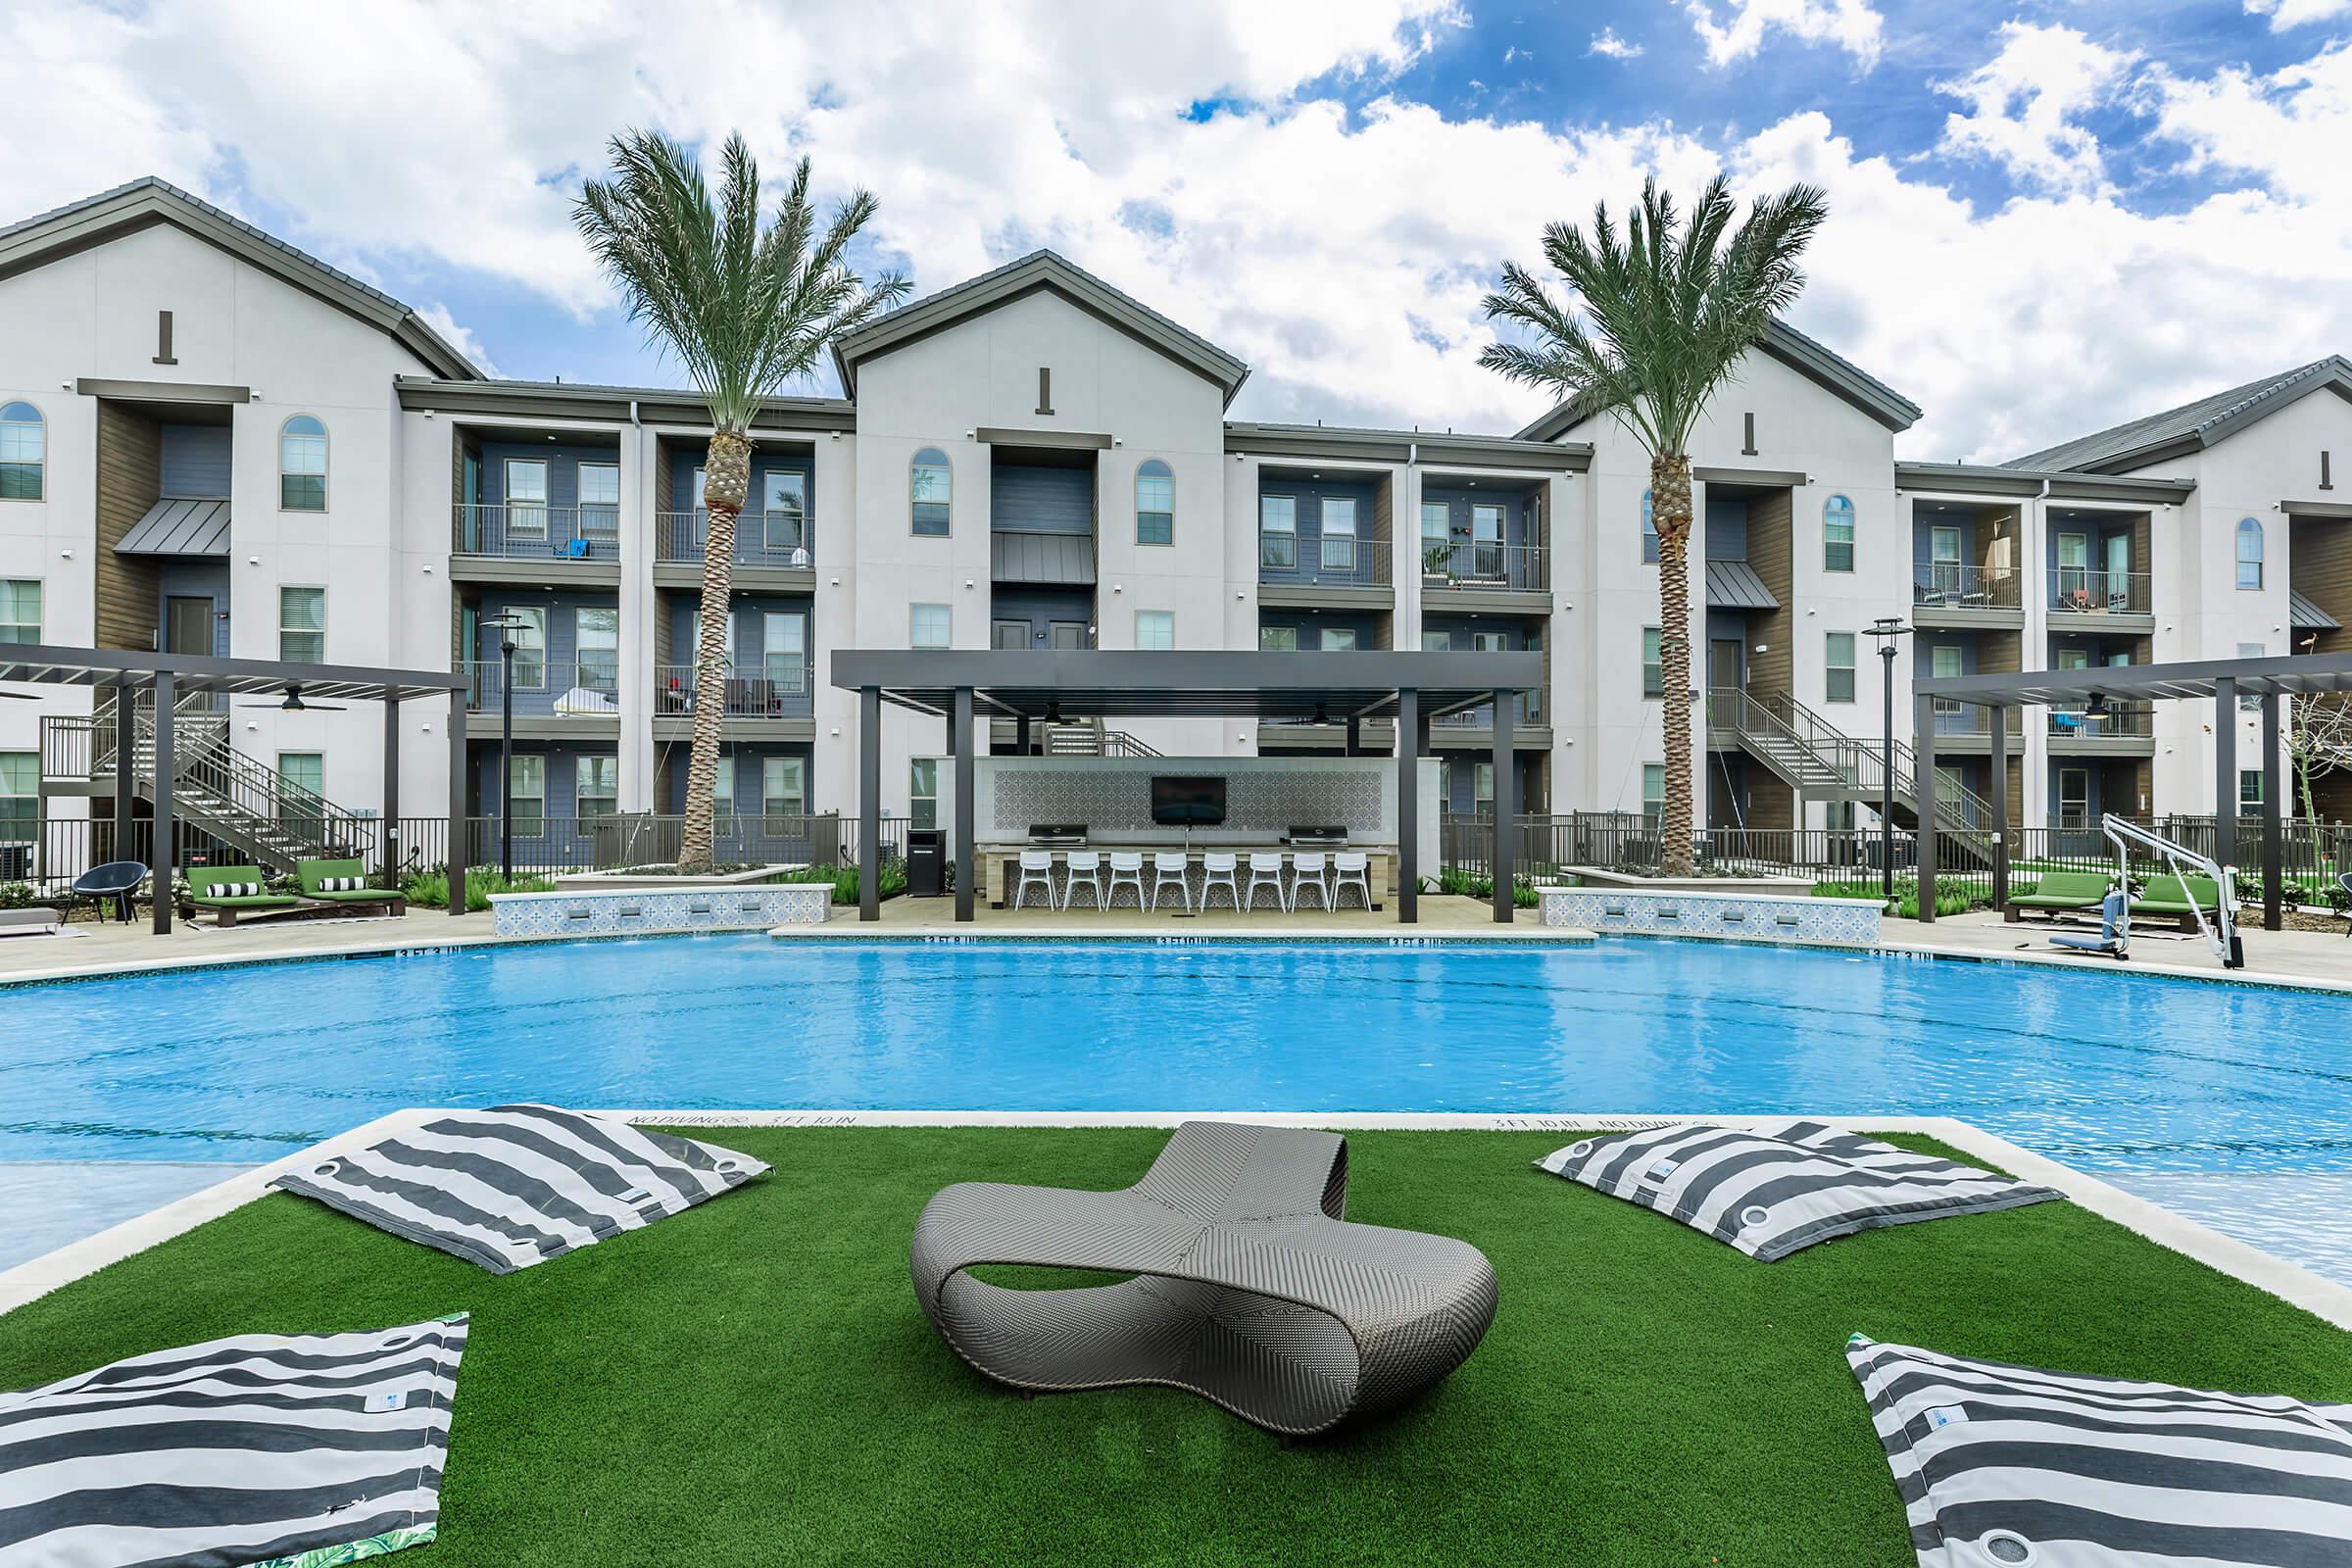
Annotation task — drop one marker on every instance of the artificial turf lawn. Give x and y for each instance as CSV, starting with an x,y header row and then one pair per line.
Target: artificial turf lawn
x,y
752,1383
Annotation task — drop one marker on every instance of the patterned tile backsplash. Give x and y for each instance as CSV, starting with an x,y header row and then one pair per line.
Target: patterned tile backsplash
x,y
1726,916
756,907
1119,800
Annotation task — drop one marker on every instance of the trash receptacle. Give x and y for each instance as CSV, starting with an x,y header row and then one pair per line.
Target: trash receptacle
x,y
926,863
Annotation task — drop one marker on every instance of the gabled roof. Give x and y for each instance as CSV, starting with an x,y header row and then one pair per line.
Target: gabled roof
x,y
1807,358
143,203
1039,270
2192,425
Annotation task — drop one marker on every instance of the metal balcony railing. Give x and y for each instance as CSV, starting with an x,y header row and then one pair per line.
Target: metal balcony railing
x,y
531,532
1496,567
586,688
2091,591
762,538
777,690
1950,585
2116,721
1325,560
1530,711
1966,719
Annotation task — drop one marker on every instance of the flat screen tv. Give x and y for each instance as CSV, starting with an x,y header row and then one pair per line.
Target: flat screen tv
x,y
1187,802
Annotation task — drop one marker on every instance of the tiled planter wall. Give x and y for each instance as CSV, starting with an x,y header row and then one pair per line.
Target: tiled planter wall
x,y
699,908
1726,916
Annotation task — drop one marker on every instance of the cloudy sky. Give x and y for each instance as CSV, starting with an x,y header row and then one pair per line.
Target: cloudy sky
x,y
2046,215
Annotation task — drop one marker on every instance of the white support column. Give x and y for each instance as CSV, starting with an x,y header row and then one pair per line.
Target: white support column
x,y
637,602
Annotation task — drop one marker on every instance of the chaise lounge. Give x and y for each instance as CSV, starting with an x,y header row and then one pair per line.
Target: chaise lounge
x,y
2058,891
344,884
2169,897
1251,1290
232,892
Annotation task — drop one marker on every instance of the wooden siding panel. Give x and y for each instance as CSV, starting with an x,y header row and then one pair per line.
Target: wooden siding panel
x,y
2319,561
1771,551
129,481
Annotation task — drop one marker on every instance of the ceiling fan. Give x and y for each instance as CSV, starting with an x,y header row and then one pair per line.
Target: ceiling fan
x,y
294,703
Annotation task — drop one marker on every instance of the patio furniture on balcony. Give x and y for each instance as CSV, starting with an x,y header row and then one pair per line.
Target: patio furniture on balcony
x,y
1478,565
1249,1290
1954,585
537,532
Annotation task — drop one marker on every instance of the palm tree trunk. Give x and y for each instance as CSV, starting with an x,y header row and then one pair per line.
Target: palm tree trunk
x,y
1670,515
727,482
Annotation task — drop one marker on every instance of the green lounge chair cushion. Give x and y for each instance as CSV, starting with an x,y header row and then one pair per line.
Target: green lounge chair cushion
x,y
315,874
256,901
2065,890
354,895
2171,895
205,885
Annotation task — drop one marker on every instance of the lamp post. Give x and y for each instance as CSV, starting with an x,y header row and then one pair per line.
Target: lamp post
x,y
505,625
1886,629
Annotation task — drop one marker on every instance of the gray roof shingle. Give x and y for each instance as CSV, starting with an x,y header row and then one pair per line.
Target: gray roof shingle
x,y
2204,421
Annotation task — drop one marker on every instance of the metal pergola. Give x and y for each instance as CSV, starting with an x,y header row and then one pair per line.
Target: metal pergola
x,y
1031,686
167,677
2222,681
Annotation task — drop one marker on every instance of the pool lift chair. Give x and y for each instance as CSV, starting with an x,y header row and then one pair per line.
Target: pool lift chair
x,y
2115,923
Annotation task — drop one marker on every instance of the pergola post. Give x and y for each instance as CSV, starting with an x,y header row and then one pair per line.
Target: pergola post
x,y
2270,867
389,834
1408,809
1923,799
869,803
2225,772
159,854
1506,803
2000,807
127,777
460,827
1355,735
965,865
1020,734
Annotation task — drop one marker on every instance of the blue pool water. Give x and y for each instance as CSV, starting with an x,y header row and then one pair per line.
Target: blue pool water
x,y
2104,1071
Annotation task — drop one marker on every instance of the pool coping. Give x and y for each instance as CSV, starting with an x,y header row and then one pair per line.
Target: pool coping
x,y
2324,1299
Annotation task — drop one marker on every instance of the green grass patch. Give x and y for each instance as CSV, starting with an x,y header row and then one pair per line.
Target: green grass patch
x,y
753,1382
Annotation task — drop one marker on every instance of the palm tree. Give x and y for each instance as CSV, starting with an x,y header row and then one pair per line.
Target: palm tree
x,y
747,311
1664,313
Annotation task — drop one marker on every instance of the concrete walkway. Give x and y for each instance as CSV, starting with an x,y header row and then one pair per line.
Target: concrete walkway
x,y
2281,957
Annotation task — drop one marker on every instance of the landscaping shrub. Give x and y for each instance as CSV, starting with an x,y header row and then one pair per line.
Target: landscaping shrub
x,y
1951,898
844,879
431,888
1468,884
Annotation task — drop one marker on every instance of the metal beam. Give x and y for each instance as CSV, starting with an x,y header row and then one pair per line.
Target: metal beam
x,y
869,804
2270,781
2000,808
1408,807
2225,772
126,778
966,867
1923,795
1506,801
389,834
159,854
456,847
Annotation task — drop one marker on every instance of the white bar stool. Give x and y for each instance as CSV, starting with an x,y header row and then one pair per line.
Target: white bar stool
x,y
1307,876
1126,870
1265,871
1218,871
1036,871
1170,866
1351,870
1085,865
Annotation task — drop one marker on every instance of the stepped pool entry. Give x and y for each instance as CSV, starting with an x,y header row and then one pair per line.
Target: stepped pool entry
x,y
2230,1104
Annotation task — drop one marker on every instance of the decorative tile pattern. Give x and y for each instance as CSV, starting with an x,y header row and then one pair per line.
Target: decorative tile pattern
x,y
722,909
1119,800
1731,918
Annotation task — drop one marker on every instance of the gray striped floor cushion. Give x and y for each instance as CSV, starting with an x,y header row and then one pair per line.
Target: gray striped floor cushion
x,y
2003,1464
517,1184
263,1449
1778,1189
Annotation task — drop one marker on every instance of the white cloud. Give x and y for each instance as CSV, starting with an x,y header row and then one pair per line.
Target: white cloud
x,y
457,337
2285,14
2021,104
1606,42
1854,26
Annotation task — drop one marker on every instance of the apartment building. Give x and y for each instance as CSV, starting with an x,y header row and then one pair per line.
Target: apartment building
x,y
211,442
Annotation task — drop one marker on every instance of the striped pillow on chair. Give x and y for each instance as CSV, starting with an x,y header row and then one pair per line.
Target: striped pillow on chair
x,y
341,884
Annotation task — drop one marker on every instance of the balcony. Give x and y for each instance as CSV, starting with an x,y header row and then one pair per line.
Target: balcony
x,y
550,699
1950,593
1962,729
1486,568
2132,724
1322,570
762,539
1450,727
777,691
537,534
2092,591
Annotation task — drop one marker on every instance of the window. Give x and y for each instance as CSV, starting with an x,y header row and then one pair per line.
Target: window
x,y
784,509
1945,662
1339,533
1653,668
1839,686
1649,533
2074,571
1338,639
1481,788
20,796
1156,630
1277,531
302,464
784,651
600,498
529,637
1437,538
302,625
1654,790
1490,642
694,639
596,790
1437,642
1838,534
597,635
526,498
526,787
927,626
2250,704
2249,553
20,610
22,446
1154,504
722,793
1485,542
928,492
1944,557
2249,791
1278,639
697,491
303,775
2074,797
783,787
922,792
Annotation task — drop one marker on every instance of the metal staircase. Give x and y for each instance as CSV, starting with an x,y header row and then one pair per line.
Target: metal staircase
x,y
1817,760
1090,739
224,793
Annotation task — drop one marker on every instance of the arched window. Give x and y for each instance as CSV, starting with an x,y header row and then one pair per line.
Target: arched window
x,y
23,448
2249,553
302,464
1649,533
1154,504
1838,534
927,490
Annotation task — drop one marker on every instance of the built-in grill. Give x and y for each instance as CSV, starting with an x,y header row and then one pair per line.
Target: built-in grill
x,y
1316,837
1058,834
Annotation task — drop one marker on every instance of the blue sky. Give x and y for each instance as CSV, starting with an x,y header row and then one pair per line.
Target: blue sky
x,y
2046,214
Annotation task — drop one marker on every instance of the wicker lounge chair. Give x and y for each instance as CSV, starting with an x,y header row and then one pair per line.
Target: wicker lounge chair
x,y
1251,1290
